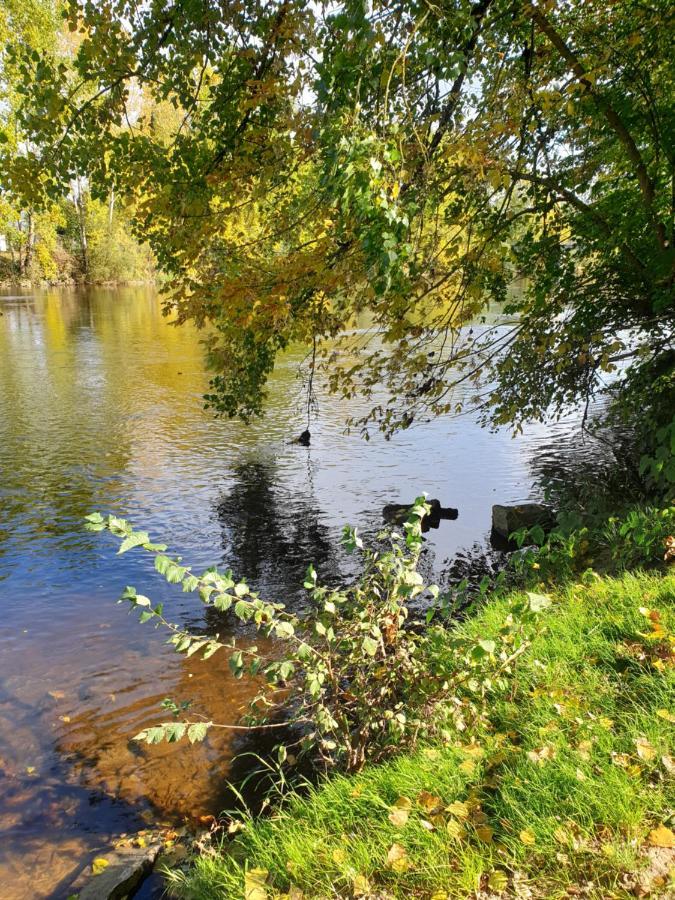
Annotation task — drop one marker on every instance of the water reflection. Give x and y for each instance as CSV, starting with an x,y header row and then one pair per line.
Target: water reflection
x,y
100,408
271,533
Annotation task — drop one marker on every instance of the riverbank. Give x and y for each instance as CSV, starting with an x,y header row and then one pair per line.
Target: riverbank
x,y
566,790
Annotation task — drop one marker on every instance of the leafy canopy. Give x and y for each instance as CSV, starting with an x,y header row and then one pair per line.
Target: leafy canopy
x,y
408,163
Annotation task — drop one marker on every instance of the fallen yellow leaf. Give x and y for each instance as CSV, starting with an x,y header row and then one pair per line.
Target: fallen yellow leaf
x,y
361,886
662,837
664,714
498,880
100,864
644,749
485,833
459,809
528,837
455,829
397,858
398,817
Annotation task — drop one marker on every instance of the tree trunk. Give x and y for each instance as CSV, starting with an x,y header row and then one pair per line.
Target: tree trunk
x,y
82,227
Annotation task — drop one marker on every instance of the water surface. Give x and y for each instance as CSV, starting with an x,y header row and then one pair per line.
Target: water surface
x,y
101,409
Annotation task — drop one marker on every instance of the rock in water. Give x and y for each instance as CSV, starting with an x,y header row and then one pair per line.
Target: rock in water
x,y
507,519
124,873
397,513
304,438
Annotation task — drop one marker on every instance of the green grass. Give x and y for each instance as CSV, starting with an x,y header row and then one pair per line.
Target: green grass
x,y
562,788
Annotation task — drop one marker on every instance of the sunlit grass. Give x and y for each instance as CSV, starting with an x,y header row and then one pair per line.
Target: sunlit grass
x,y
562,790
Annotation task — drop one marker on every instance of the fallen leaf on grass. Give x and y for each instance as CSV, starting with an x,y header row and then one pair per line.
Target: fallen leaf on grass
x,y
662,837
528,837
428,801
455,829
664,714
397,858
644,749
400,812
361,886
458,809
485,833
498,880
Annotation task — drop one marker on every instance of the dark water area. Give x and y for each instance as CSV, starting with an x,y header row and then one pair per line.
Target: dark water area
x,y
101,409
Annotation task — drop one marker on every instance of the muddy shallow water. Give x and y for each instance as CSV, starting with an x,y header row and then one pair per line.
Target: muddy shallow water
x,y
101,409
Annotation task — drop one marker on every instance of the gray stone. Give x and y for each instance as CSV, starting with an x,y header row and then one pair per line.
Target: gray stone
x,y
126,869
507,519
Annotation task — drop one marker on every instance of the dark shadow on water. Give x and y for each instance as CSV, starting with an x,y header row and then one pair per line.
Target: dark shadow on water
x,y
272,534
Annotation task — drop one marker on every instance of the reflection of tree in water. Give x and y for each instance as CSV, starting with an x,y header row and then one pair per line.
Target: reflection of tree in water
x,y
270,534
575,466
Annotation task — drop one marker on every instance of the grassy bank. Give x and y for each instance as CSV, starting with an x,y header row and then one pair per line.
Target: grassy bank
x,y
567,790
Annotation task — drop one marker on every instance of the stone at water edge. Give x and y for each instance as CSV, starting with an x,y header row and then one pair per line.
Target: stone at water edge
x,y
507,519
123,875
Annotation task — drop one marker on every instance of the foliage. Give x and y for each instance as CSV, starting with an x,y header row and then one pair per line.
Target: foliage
x,y
409,161
45,239
596,541
357,682
566,789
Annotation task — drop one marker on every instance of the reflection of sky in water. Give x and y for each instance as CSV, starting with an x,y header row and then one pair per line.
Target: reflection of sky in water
x,y
100,408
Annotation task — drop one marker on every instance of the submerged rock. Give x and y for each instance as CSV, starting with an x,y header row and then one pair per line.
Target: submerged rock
x,y
507,519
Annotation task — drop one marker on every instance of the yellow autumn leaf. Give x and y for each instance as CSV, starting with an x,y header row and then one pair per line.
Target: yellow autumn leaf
x,y
485,833
498,880
360,886
665,714
644,749
339,856
467,767
397,858
662,837
527,837
254,884
100,864
455,829
439,895
398,817
458,809
668,763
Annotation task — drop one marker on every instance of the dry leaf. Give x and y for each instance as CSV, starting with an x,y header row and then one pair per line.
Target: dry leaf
x,y
339,856
664,714
397,858
467,767
360,886
498,880
459,809
398,817
485,833
455,829
528,837
668,763
428,801
662,837
644,749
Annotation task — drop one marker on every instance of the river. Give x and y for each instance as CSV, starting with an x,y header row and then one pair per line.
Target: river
x,y
101,409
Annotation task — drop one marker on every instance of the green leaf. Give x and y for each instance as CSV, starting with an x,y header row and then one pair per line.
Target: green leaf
x,y
135,539
197,731
370,646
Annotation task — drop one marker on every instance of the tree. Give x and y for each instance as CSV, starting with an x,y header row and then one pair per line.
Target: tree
x,y
411,161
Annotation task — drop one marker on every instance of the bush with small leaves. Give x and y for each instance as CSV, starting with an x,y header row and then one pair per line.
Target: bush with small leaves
x,y
358,682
